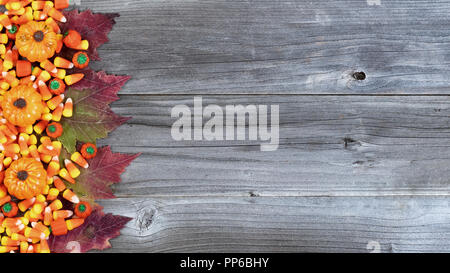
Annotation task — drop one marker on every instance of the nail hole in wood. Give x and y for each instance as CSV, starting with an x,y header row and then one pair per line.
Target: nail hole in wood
x,y
359,76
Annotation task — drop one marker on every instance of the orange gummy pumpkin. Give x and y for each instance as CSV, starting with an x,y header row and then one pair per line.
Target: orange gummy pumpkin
x,y
36,41
22,105
25,178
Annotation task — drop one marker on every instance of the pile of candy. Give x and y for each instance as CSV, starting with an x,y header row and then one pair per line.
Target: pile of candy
x,y
34,199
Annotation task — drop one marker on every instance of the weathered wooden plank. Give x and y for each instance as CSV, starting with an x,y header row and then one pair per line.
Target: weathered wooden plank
x,y
261,224
329,145
284,46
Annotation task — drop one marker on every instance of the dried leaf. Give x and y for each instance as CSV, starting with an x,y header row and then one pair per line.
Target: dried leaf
x,y
104,170
95,233
92,118
93,27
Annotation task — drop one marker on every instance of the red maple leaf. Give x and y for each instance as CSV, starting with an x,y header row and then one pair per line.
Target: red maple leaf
x,y
92,118
104,170
108,85
93,27
95,233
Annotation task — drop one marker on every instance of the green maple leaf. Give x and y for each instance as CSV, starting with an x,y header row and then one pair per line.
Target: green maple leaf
x,y
92,117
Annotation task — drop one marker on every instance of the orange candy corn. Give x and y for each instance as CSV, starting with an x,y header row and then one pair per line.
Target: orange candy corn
x,y
41,227
63,63
52,194
68,108
58,214
49,66
71,168
48,216
60,74
37,5
52,23
34,152
10,79
59,184
74,223
7,241
55,101
79,159
23,247
73,78
8,249
27,203
5,200
61,4
23,139
19,237
53,168
59,44
13,223
34,233
40,127
57,15
57,114
70,196
44,248
8,61
4,20
64,174
3,190
55,205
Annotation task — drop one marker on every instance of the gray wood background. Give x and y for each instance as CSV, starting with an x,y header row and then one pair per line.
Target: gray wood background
x,y
362,165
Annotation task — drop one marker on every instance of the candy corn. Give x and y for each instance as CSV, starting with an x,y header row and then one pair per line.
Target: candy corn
x,y
70,196
58,214
68,108
55,101
55,205
63,63
25,204
61,4
73,78
74,223
57,15
56,116
71,168
26,224
64,174
79,159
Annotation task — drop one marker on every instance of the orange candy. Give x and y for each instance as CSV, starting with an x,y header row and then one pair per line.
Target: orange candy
x,y
88,150
10,209
59,227
25,178
32,85
23,68
83,209
54,130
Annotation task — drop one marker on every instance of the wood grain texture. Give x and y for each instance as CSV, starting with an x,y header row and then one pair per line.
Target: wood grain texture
x,y
359,160
329,146
262,224
278,47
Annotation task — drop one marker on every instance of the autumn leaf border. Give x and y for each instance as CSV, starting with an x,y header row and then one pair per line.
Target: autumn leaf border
x,y
99,227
